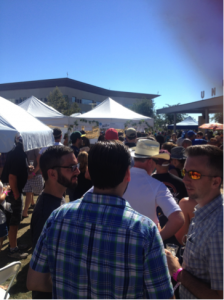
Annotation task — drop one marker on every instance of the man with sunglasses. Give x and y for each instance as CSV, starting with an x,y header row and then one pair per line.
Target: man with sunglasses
x,y
59,168
201,275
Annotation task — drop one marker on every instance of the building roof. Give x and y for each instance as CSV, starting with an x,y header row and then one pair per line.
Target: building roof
x,y
213,105
67,82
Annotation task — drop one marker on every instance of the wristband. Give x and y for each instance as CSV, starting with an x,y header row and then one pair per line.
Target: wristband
x,y
33,174
5,192
175,275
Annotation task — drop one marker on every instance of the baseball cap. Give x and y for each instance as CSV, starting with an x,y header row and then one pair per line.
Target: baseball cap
x,y
57,133
111,134
76,135
190,133
178,153
131,133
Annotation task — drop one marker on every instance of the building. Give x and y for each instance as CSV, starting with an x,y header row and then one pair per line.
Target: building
x,y
86,95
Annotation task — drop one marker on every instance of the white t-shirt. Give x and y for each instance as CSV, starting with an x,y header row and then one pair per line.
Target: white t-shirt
x,y
45,148
145,193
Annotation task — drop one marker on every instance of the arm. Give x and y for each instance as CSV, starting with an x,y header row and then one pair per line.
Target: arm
x,y
13,185
184,229
174,223
196,286
37,281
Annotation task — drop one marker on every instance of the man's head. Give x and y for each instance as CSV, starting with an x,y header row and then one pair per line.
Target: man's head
x,y
57,133
111,134
178,157
131,135
186,143
146,150
108,165
162,165
58,165
199,135
76,139
203,172
191,135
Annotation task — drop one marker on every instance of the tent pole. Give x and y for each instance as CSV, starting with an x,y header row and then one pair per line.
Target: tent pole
x,y
174,123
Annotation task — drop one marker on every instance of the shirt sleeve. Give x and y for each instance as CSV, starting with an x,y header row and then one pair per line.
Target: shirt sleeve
x,y
165,200
157,281
215,260
39,260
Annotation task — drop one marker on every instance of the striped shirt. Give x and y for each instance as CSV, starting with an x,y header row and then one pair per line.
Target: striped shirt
x,y
203,254
99,247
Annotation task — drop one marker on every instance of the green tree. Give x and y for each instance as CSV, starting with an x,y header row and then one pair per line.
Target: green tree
x,y
218,118
169,118
144,107
61,103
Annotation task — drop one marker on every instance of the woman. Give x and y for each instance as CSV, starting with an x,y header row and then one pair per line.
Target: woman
x,y
84,184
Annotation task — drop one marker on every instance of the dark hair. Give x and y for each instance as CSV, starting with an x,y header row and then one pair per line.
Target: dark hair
x,y
139,134
86,142
101,138
214,155
108,162
52,157
121,138
168,146
200,133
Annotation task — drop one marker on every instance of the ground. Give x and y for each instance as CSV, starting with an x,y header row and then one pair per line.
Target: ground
x,y
18,289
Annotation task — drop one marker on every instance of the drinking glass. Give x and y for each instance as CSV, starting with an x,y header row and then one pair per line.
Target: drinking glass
x,y
172,248
31,162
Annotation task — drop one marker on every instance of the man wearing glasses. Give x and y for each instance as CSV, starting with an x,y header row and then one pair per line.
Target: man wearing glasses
x,y
59,168
201,275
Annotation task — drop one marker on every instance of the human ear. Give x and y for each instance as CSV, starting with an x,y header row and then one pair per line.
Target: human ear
x,y
216,182
128,175
52,174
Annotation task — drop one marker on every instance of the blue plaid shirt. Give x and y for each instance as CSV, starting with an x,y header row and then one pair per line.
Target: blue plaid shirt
x,y
99,247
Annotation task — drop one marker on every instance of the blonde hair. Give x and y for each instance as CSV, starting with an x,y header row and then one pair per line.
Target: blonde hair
x,y
83,161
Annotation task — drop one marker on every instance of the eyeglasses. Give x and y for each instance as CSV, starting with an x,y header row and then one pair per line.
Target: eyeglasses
x,y
72,168
194,174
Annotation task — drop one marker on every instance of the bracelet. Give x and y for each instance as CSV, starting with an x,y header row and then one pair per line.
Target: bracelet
x,y
33,174
5,192
175,275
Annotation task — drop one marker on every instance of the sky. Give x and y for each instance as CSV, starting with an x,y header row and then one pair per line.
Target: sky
x,y
172,48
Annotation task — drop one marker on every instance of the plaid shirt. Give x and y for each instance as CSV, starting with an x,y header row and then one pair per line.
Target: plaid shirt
x,y
203,255
99,247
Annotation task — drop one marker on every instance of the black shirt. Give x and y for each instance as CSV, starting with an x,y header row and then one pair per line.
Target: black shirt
x,y
76,150
45,205
83,186
178,190
16,164
130,145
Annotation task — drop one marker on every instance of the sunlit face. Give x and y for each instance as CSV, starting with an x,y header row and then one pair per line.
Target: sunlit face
x,y
200,188
67,177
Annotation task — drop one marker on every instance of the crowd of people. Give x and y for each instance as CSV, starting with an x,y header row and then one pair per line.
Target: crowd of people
x,y
144,218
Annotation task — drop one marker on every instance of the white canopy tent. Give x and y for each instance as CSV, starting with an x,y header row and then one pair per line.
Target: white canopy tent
x,y
46,114
188,123
109,113
14,119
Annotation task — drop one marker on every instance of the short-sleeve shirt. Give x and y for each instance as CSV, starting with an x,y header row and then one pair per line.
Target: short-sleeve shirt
x,y
203,254
145,193
99,247
16,164
76,150
45,148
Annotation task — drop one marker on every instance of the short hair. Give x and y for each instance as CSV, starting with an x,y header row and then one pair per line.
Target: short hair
x,y
214,155
200,133
187,142
52,157
83,161
168,146
57,133
121,138
86,142
108,162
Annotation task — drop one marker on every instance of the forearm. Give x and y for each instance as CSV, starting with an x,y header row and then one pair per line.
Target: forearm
x,y
197,287
13,184
39,281
174,223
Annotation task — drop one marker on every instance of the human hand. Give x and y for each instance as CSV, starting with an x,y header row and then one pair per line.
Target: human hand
x,y
31,168
173,262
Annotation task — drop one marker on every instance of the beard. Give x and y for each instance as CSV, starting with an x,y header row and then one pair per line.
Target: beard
x,y
65,181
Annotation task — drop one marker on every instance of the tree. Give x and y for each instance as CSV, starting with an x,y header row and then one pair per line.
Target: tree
x,y
218,118
144,107
61,103
169,118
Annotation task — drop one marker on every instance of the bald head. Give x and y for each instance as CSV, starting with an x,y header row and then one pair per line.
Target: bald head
x,y
186,143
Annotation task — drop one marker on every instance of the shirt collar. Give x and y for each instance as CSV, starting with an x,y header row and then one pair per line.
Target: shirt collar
x,y
202,212
139,170
110,200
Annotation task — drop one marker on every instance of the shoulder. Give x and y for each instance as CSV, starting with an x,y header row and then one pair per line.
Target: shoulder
x,y
67,210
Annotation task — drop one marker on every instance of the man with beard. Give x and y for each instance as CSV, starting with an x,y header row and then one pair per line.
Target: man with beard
x,y
59,168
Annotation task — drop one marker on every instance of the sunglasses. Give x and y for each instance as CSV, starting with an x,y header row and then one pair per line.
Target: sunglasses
x,y
72,168
194,174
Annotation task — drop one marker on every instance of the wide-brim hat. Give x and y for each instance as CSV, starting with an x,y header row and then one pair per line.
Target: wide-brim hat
x,y
148,149
178,153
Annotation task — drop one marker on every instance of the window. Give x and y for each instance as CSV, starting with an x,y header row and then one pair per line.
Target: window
x,y
73,99
85,101
78,100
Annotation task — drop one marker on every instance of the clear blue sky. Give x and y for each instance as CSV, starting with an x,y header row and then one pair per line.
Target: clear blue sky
x,y
170,47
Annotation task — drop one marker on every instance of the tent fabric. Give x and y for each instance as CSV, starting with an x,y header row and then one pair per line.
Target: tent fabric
x,y
188,123
14,119
45,113
109,111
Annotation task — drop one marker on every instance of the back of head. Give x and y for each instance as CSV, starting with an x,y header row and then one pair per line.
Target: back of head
x,y
186,143
111,134
52,157
168,146
86,142
214,155
108,162
200,134
190,134
75,136
83,161
57,133
131,133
